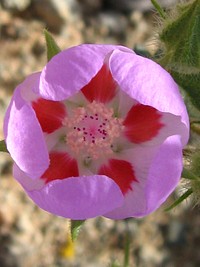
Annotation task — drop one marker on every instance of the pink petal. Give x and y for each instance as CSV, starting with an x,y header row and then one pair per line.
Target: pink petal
x,y
23,134
142,123
149,84
72,69
158,172
50,114
76,198
121,172
61,166
101,88
165,173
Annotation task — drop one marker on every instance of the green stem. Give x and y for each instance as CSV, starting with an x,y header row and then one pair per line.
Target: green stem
x,y
127,248
159,8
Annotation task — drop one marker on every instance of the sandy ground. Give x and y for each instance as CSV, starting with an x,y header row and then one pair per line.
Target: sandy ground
x,y
32,237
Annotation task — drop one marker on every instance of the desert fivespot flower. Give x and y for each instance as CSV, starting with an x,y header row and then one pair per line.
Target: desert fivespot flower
x,y
99,131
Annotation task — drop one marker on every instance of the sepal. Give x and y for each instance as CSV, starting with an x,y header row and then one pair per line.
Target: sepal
x,y
52,47
75,228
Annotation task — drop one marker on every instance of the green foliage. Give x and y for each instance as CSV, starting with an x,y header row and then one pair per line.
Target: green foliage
x,y
3,147
75,228
195,164
188,174
52,47
193,183
180,36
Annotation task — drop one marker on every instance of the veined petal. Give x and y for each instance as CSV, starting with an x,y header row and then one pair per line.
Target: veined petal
x,y
149,84
102,87
121,172
61,166
23,134
166,171
70,70
50,114
157,175
25,181
77,198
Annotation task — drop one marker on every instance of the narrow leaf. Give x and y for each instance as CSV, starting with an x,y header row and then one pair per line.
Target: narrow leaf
x,y
3,147
158,8
75,228
52,47
180,199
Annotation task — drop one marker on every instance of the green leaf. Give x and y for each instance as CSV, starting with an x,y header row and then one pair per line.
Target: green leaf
x,y
180,36
75,228
190,83
52,47
3,147
180,199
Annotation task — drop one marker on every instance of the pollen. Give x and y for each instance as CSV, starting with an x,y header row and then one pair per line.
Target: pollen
x,y
92,130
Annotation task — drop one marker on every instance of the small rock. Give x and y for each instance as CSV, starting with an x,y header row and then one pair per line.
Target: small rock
x,y
113,23
90,6
54,13
129,5
15,5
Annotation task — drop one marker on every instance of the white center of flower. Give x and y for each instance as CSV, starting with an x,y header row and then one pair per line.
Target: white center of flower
x,y
92,130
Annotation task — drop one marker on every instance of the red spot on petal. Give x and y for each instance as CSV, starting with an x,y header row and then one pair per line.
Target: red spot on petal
x,y
49,114
121,172
142,123
101,88
61,166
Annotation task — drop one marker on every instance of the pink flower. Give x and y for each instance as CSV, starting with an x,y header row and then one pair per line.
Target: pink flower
x,y
99,131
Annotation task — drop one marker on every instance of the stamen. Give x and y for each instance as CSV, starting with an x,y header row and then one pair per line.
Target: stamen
x,y
92,130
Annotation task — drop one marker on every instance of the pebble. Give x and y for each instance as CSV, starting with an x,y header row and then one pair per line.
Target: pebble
x,y
130,5
15,5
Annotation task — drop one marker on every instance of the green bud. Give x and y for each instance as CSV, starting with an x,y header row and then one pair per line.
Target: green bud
x,y
180,36
3,147
52,47
75,228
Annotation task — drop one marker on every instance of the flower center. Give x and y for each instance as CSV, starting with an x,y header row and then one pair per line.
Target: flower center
x,y
92,130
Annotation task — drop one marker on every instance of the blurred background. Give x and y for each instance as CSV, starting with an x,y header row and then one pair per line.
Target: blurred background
x,y
32,237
